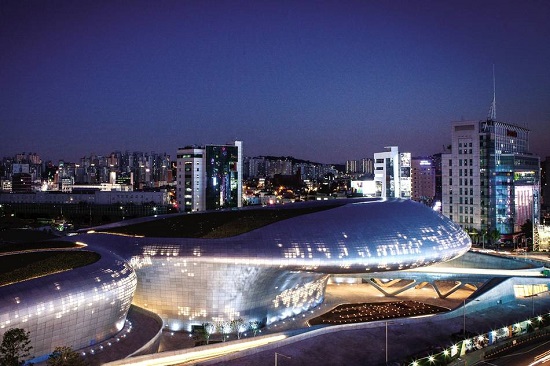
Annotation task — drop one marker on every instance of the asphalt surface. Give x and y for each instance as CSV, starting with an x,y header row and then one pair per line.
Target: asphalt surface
x,y
522,355
405,337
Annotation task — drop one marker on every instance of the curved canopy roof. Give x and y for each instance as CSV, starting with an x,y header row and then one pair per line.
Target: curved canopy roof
x,y
356,235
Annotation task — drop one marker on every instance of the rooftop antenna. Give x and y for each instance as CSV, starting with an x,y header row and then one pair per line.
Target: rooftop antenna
x,y
492,116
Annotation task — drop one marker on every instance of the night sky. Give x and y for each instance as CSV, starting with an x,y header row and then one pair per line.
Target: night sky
x,y
325,81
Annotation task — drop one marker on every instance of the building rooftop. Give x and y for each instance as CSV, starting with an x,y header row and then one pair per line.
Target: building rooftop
x,y
218,224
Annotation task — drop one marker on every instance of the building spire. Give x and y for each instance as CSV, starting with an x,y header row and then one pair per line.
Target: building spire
x,y
492,116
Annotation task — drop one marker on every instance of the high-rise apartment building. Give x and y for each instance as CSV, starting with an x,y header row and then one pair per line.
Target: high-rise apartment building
x,y
209,177
270,166
254,167
364,166
392,173
351,166
490,180
367,166
279,166
423,180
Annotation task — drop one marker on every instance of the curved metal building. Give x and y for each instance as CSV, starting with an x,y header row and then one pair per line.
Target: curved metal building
x,y
281,269
76,308
264,274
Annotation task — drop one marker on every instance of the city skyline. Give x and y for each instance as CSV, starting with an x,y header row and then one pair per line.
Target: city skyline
x,y
320,81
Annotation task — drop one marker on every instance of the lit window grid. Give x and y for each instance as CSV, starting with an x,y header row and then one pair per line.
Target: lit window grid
x,y
528,290
414,236
186,293
74,308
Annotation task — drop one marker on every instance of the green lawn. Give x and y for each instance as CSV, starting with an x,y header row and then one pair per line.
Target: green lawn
x,y
24,266
18,247
218,224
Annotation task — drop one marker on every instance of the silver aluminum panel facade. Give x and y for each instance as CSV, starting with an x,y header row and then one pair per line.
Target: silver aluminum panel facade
x,y
76,308
189,281
264,275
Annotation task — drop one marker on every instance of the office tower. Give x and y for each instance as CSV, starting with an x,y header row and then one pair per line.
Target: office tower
x,y
21,178
423,180
21,183
490,180
392,173
436,164
209,177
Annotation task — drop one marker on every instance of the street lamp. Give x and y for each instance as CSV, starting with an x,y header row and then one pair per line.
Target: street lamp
x,y
533,298
464,316
387,342
280,354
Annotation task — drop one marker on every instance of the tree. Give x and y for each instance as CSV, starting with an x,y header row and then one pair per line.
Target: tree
x,y
209,329
474,234
199,335
65,356
255,326
494,236
239,326
224,327
15,347
527,229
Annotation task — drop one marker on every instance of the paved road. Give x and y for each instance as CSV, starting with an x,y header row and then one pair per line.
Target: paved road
x,y
523,355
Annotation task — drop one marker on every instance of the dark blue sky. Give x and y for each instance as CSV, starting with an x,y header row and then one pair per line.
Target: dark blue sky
x,y
322,80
